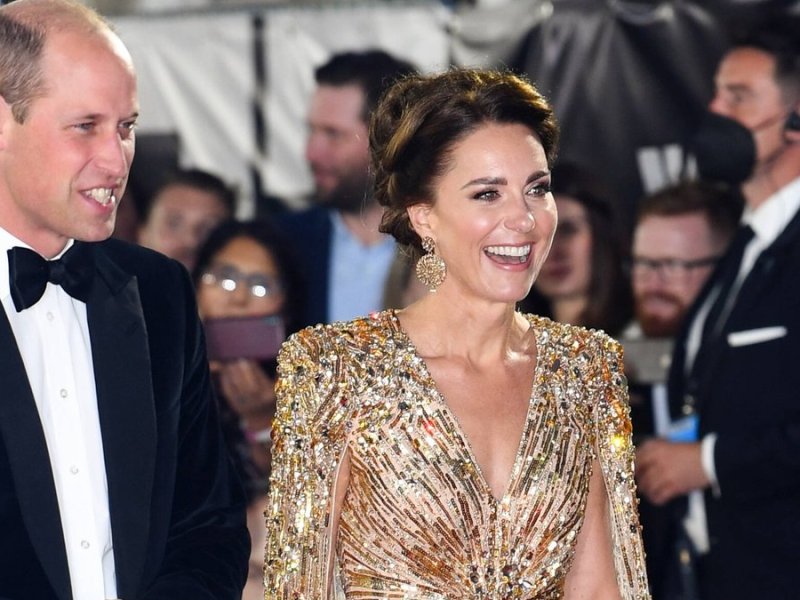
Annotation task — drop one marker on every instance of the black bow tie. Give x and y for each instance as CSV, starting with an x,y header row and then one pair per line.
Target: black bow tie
x,y
29,273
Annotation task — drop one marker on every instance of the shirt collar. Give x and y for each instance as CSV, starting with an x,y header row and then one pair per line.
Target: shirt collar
x,y
772,217
342,234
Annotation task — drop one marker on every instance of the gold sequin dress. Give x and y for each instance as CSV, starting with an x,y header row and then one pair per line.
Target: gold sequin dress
x,y
418,520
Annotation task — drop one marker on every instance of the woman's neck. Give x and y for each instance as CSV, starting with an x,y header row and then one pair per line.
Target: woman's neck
x,y
477,332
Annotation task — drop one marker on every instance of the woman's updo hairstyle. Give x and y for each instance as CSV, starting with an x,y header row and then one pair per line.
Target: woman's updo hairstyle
x,y
422,117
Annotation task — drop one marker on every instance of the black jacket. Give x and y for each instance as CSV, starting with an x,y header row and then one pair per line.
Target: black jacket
x,y
177,517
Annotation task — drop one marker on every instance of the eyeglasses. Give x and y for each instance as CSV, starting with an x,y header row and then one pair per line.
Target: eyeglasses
x,y
259,285
668,268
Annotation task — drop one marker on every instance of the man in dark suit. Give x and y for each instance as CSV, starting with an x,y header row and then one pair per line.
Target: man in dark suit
x,y
344,257
113,478
736,361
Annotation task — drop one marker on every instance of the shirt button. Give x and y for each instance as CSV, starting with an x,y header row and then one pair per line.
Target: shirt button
x,y
63,393
50,316
74,470
84,544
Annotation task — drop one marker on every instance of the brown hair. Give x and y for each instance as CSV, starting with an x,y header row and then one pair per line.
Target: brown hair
x,y
24,26
420,119
720,205
610,305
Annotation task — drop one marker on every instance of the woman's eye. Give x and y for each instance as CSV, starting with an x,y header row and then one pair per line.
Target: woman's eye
x,y
486,195
540,189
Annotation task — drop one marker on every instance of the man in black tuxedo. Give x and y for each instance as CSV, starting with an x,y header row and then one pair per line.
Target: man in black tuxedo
x,y
736,360
113,478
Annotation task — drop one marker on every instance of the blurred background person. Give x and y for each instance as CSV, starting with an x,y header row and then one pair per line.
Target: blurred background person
x,y
182,212
244,269
680,234
734,368
583,281
127,225
402,287
337,241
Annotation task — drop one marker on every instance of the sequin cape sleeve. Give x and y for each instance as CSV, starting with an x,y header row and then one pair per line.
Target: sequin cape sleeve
x,y
309,440
616,453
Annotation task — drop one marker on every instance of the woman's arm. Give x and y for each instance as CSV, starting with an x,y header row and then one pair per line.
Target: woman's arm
x,y
308,459
592,575
340,491
614,456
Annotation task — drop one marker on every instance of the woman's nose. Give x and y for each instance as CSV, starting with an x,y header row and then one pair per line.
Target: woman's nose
x,y
520,218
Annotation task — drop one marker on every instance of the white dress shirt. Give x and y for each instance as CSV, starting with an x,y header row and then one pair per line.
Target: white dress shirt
x,y
53,340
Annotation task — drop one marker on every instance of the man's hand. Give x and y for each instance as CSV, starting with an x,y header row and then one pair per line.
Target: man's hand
x,y
665,470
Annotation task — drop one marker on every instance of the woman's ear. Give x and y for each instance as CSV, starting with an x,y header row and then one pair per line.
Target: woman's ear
x,y
420,217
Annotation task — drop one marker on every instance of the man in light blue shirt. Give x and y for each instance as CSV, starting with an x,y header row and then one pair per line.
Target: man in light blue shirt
x,y
344,257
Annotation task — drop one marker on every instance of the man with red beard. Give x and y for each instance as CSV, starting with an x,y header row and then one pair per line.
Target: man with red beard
x,y
681,231
680,234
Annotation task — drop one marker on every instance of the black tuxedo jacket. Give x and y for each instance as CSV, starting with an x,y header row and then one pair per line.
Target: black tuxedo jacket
x,y
746,388
177,518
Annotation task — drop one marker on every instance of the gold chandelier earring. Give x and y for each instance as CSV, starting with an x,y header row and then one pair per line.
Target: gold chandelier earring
x,y
431,269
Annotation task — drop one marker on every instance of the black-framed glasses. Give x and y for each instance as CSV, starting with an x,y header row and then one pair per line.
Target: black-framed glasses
x,y
228,278
668,268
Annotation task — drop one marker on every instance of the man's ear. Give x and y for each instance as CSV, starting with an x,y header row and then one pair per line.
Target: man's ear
x,y
5,121
421,219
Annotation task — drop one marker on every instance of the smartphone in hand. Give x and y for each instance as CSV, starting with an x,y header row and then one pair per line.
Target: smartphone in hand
x,y
257,338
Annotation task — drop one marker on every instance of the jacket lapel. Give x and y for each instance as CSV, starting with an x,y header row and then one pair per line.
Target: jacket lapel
x,y
25,443
753,287
757,283
127,413
680,384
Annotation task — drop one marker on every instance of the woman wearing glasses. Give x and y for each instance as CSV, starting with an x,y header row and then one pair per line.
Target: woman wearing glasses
x,y
244,270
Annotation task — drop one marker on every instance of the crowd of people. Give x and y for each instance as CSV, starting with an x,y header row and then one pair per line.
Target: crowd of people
x,y
413,388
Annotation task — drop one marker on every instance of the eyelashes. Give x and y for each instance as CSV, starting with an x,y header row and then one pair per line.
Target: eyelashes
x,y
543,188
492,194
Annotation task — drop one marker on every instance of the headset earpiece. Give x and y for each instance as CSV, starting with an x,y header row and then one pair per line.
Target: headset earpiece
x,y
793,121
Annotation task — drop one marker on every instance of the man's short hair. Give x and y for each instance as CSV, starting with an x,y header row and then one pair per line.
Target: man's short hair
x,y
781,40
720,204
372,70
23,30
199,180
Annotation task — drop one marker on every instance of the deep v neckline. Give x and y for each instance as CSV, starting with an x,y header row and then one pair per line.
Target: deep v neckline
x,y
451,416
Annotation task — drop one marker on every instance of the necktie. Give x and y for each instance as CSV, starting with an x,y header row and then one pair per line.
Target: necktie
x,y
718,313
29,273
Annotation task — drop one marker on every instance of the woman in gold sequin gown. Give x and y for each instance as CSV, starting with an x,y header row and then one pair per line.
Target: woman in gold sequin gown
x,y
457,448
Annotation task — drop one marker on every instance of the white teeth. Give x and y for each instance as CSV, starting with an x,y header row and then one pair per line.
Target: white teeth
x,y
101,195
518,251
